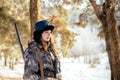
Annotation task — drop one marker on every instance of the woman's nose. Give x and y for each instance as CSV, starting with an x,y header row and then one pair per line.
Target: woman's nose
x,y
49,34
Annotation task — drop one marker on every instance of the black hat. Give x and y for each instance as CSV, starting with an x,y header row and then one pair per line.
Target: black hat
x,y
43,25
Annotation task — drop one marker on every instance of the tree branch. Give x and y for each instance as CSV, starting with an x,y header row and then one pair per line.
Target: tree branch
x,y
97,11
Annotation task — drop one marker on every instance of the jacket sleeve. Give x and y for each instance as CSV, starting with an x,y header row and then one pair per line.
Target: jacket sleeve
x,y
31,60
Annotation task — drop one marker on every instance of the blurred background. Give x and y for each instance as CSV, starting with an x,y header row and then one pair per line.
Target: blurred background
x,y
78,33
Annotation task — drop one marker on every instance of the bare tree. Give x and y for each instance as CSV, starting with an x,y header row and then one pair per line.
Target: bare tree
x,y
107,18
34,13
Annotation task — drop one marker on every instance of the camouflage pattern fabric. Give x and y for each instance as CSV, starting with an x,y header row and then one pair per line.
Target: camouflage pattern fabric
x,y
31,67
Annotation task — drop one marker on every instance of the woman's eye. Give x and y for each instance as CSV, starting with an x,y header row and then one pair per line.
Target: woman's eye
x,y
48,32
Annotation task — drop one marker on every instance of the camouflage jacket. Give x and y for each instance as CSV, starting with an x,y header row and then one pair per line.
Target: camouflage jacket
x,y
31,67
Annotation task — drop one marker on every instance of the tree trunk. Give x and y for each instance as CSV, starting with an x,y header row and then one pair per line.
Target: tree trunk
x,y
34,13
5,59
11,63
111,37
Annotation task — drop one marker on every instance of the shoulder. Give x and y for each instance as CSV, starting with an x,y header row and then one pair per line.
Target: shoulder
x,y
31,49
32,44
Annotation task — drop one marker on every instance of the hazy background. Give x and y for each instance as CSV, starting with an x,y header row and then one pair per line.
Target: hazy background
x,y
78,34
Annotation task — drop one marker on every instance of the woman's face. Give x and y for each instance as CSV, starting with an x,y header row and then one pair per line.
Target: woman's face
x,y
46,35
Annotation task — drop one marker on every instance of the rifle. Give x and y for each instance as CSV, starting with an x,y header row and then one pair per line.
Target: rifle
x,y
38,52
19,40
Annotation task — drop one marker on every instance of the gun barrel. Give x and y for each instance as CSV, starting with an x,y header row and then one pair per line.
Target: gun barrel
x,y
19,40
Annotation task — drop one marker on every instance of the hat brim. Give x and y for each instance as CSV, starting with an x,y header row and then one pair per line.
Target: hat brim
x,y
49,27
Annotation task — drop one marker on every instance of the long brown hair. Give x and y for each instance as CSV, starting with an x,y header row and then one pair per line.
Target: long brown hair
x,y
38,39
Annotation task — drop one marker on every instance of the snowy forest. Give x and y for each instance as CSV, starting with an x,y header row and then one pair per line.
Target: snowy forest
x,y
87,36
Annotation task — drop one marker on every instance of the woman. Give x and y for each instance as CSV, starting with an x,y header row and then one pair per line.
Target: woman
x,y
41,51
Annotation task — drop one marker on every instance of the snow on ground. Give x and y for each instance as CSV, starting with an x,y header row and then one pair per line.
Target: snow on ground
x,y
16,73
72,69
